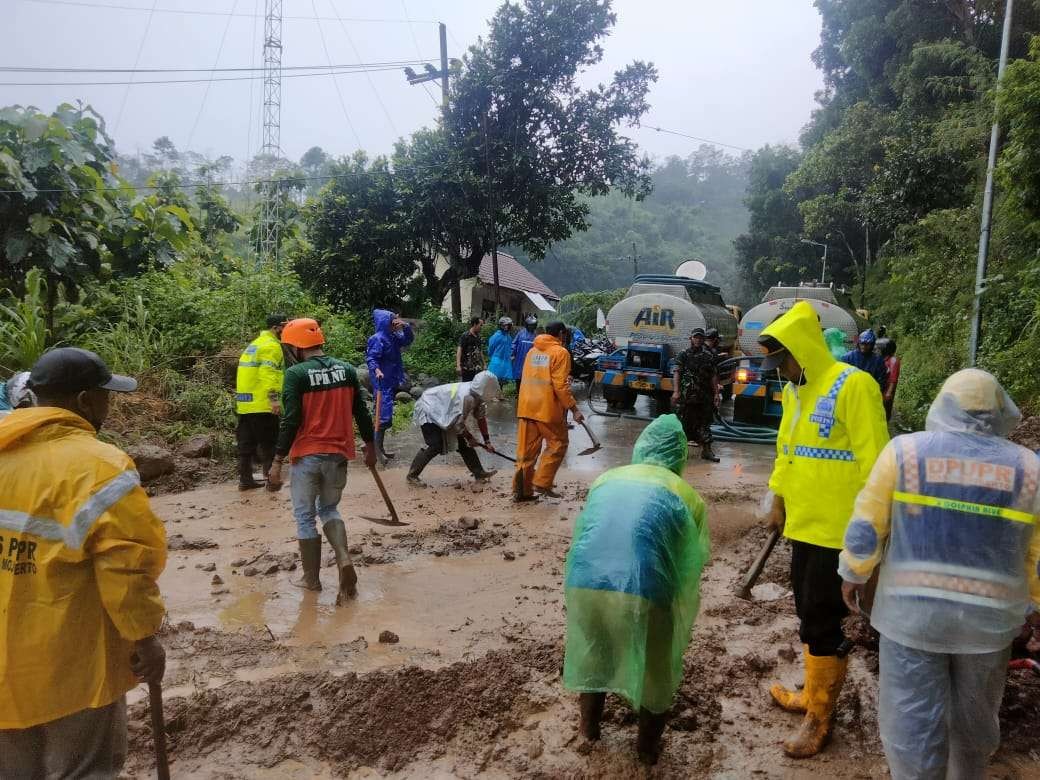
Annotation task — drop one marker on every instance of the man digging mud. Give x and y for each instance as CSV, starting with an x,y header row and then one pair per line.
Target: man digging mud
x,y
441,414
632,584
321,401
831,432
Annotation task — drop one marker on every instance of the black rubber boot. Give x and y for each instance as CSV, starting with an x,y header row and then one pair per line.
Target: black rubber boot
x,y
648,740
472,461
336,533
381,449
245,474
708,454
591,708
419,462
310,558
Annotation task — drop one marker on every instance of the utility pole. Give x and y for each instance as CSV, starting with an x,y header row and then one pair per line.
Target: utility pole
x,y
635,261
987,200
492,226
271,148
823,272
431,73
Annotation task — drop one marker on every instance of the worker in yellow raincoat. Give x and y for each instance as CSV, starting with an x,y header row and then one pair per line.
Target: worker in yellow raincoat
x,y
544,400
80,556
833,428
258,400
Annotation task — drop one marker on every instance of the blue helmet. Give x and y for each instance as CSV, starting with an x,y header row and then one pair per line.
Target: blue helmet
x,y
867,337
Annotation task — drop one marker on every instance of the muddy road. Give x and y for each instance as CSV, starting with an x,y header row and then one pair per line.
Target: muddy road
x,y
448,663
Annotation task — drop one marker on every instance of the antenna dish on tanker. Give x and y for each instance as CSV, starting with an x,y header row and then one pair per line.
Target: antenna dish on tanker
x,y
692,269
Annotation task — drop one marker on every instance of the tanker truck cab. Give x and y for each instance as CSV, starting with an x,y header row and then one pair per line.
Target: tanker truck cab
x,y
650,326
757,397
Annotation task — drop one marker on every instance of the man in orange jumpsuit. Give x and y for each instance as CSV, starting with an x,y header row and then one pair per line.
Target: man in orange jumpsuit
x,y
545,398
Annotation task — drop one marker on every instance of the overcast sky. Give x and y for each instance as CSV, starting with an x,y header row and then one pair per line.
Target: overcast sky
x,y
736,72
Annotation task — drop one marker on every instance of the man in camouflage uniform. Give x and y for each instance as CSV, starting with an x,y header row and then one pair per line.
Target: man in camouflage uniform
x,y
696,390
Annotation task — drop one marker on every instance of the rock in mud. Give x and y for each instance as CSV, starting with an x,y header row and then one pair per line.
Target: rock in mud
x,y
364,379
217,580
416,393
468,523
151,461
209,567
272,569
219,591
403,398
509,556
200,446
180,542
238,563
250,571
388,638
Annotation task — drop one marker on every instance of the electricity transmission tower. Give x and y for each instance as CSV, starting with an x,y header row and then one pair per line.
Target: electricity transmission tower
x,y
271,148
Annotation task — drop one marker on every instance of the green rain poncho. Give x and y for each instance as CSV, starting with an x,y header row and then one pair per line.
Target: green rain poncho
x,y
835,339
632,583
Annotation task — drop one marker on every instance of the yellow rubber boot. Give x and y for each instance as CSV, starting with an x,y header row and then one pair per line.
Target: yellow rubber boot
x,y
824,676
792,701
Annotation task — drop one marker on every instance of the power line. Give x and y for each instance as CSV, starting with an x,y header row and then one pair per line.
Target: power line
x,y
342,102
34,69
185,81
137,59
694,137
209,84
193,12
418,51
368,75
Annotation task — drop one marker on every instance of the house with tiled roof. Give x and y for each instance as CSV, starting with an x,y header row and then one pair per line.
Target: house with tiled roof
x,y
522,292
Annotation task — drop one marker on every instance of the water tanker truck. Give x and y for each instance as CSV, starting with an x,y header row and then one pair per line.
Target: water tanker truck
x,y
756,398
650,326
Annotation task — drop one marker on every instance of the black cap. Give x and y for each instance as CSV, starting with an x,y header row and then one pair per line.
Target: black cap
x,y
775,352
73,370
711,333
274,320
697,332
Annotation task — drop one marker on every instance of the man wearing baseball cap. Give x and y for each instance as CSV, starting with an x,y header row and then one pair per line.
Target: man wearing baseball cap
x,y
80,558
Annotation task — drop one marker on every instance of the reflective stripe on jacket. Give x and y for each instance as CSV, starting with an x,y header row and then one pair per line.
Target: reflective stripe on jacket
x,y
954,517
260,371
546,389
833,428
80,556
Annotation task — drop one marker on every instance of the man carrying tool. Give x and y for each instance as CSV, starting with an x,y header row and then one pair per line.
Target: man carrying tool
x,y
386,370
522,343
469,355
258,393
696,392
831,432
866,358
441,414
322,401
632,584
950,514
81,556
545,398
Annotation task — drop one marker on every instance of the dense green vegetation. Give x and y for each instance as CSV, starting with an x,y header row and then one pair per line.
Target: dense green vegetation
x,y
889,175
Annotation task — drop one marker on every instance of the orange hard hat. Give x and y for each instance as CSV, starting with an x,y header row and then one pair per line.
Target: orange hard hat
x,y
303,334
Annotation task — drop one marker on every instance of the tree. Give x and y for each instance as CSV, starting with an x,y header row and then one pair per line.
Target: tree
x,y
65,211
522,147
360,246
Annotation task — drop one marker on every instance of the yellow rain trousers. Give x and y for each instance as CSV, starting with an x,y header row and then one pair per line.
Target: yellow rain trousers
x,y
832,430
80,553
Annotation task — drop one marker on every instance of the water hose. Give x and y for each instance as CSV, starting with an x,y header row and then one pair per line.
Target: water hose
x,y
727,431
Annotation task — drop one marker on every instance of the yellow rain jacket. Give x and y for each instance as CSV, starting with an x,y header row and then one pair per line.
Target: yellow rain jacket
x,y
80,553
832,430
259,377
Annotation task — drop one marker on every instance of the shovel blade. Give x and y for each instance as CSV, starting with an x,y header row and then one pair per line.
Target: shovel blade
x,y
383,520
590,450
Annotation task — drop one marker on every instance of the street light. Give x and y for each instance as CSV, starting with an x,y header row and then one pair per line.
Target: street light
x,y
823,273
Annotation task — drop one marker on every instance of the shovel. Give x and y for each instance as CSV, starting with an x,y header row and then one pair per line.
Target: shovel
x,y
162,764
493,451
393,519
744,592
595,442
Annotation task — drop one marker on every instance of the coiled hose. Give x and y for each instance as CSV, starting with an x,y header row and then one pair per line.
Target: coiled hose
x,y
724,430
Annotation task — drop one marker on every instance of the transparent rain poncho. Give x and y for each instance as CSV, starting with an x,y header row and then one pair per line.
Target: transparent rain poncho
x,y
632,582
962,538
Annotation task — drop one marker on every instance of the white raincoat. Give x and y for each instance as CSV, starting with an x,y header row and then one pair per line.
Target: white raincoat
x,y
449,406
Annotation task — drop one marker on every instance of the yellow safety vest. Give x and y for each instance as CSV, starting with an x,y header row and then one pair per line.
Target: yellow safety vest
x,y
260,372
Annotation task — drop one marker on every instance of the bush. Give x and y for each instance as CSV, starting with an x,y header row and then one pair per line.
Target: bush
x,y
433,351
580,308
23,326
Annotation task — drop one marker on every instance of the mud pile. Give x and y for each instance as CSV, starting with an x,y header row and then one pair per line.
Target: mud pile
x,y
448,538
381,719
1028,433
